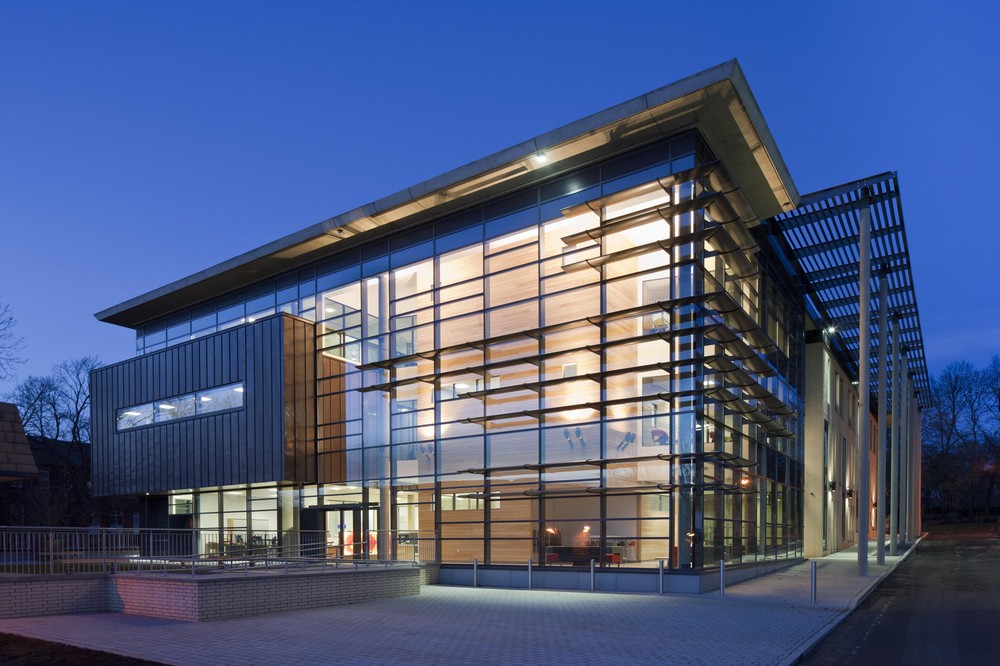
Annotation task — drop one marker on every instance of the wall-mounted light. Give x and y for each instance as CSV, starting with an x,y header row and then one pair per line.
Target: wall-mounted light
x,y
832,486
850,492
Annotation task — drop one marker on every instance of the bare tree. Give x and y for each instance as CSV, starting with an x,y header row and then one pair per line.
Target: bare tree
x,y
72,379
55,410
37,399
961,452
58,406
10,344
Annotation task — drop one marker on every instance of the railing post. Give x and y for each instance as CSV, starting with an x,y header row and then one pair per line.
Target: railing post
x,y
812,587
529,574
593,577
722,578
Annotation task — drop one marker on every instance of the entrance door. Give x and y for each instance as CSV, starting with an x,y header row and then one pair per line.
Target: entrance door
x,y
345,533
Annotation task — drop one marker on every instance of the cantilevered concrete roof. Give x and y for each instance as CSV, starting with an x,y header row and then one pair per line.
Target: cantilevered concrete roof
x,y
717,102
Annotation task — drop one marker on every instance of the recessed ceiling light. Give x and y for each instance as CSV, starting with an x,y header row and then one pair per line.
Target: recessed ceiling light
x,y
541,158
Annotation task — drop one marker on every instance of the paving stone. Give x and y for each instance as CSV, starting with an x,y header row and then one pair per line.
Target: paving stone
x,y
767,620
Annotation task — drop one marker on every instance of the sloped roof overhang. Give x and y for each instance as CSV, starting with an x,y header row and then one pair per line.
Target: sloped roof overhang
x,y
717,103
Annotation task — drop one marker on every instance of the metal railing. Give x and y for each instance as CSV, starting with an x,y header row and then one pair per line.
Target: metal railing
x,y
58,550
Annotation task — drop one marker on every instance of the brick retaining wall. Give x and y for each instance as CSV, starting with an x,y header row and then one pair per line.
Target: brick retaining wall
x,y
53,595
223,596
202,597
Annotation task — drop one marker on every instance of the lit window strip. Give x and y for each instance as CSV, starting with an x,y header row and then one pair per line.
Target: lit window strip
x,y
206,402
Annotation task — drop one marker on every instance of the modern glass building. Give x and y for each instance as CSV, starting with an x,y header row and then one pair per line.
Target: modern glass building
x,y
591,345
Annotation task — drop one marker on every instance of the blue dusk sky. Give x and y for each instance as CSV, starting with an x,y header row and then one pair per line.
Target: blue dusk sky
x,y
141,142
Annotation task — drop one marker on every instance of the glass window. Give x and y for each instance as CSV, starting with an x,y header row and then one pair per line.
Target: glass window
x,y
221,398
179,331
260,304
174,408
182,406
133,417
204,324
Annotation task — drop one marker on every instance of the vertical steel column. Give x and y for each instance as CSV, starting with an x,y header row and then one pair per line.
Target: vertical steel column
x,y
904,457
916,491
883,332
864,387
897,396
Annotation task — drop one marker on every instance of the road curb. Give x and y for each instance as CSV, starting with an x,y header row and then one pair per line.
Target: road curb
x,y
813,640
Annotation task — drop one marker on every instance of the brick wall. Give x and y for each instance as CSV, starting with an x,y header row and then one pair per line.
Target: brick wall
x,y
430,574
53,595
233,595
203,597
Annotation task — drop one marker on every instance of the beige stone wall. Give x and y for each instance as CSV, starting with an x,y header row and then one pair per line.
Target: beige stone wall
x,y
831,396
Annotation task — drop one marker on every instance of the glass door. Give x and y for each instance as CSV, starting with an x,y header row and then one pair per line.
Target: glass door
x,y
346,537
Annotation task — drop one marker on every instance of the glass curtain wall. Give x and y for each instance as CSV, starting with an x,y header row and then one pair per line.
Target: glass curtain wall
x,y
599,367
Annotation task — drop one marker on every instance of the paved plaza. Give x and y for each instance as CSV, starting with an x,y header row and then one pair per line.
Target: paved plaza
x,y
768,620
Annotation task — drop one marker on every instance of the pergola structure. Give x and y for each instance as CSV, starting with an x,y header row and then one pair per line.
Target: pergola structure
x,y
825,238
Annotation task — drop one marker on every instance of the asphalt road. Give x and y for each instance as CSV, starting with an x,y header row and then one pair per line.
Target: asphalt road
x,y
941,606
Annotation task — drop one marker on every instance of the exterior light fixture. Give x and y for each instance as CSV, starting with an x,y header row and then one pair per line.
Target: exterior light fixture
x,y
833,485
830,330
541,158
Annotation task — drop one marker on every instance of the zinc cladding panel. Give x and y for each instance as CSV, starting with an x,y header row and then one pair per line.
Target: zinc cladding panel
x,y
242,446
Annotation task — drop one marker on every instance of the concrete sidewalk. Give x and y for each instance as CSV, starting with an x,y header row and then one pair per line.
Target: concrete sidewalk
x,y
768,620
